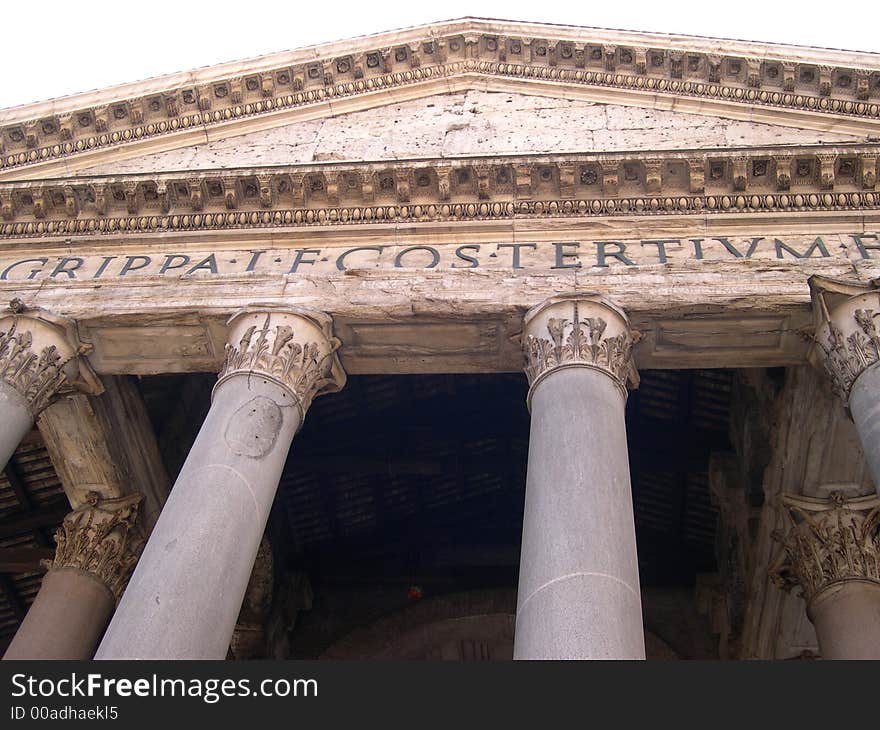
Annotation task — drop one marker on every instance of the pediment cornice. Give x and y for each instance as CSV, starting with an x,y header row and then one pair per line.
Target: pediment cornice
x,y
777,180
801,86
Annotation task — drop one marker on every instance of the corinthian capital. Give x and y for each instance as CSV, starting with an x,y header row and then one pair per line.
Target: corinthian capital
x,y
40,355
827,541
578,331
293,347
98,538
847,339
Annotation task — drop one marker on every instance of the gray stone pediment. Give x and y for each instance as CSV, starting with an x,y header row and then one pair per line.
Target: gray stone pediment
x,y
472,123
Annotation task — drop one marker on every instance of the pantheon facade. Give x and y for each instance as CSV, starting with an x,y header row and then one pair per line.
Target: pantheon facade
x,y
476,340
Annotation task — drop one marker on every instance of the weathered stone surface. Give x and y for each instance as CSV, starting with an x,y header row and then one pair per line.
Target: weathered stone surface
x,y
578,592
486,93
184,597
811,444
186,592
105,444
471,123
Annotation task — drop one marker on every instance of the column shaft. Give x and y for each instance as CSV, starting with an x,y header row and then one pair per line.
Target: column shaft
x,y
864,405
185,594
66,619
16,420
96,549
847,343
579,585
847,620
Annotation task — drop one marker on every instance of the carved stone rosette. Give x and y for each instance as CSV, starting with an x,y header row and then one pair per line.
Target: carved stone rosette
x,y
578,331
293,347
40,354
847,338
828,541
100,538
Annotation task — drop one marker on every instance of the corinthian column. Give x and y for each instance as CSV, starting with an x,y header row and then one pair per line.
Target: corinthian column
x,y
96,551
39,355
832,552
185,594
578,583
848,345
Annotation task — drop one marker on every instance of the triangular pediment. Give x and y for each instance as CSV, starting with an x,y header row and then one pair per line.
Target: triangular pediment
x,y
568,70
471,123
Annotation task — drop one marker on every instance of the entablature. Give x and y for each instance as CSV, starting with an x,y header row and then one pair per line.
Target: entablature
x,y
777,179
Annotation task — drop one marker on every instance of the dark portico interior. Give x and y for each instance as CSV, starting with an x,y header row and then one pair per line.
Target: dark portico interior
x,y
397,524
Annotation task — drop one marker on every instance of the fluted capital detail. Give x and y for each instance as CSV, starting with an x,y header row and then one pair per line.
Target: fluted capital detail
x,y
847,339
100,538
41,356
291,346
578,331
826,541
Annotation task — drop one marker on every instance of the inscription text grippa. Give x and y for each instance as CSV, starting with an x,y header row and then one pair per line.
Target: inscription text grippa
x,y
588,255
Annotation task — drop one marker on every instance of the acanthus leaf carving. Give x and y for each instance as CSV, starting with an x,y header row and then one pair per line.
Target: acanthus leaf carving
x,y
850,345
580,340
100,538
290,348
41,356
37,375
828,541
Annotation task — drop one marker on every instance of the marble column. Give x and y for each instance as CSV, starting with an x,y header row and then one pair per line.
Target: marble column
x,y
184,596
848,345
578,592
831,551
39,356
96,550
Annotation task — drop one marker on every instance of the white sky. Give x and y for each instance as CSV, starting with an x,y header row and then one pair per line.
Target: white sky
x,y
54,48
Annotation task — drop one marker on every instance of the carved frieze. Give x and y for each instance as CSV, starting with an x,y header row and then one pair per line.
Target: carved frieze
x,y
739,78
826,541
573,331
847,338
293,347
40,355
101,538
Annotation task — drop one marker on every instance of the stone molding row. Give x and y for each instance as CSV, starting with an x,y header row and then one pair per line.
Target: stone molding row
x,y
664,183
794,84
700,205
766,170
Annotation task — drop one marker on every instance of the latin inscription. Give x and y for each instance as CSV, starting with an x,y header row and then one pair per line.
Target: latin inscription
x,y
595,255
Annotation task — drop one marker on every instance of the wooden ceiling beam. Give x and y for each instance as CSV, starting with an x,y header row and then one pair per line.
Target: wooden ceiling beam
x,y
7,587
18,487
46,516
24,560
